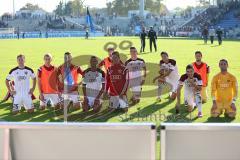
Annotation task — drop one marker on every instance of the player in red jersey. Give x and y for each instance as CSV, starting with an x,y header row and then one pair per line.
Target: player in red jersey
x,y
48,84
117,83
68,75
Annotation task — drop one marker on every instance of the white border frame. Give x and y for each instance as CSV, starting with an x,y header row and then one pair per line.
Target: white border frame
x,y
8,126
193,126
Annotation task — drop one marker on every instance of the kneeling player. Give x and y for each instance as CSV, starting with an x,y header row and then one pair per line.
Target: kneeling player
x,y
171,75
137,74
68,75
192,91
117,83
162,84
93,86
22,93
48,84
224,92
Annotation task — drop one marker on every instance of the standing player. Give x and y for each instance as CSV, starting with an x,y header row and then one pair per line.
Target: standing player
x,y
205,34
192,90
152,35
135,67
48,84
106,62
171,75
212,34
117,83
219,34
68,75
203,70
143,36
93,86
224,92
22,93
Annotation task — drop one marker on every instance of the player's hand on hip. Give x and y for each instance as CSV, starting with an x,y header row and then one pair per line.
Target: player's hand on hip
x,y
12,92
233,106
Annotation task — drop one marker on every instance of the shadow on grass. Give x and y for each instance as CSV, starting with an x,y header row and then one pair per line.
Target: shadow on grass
x,y
220,120
183,117
147,113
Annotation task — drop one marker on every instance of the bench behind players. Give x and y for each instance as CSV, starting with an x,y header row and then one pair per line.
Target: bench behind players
x,y
117,83
22,93
93,86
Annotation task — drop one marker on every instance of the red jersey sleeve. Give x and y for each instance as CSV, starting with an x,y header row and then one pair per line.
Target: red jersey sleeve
x,y
101,63
80,71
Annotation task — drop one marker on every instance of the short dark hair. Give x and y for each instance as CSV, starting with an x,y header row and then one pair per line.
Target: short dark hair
x,y
116,53
190,66
110,49
21,55
67,53
198,52
223,60
164,53
132,48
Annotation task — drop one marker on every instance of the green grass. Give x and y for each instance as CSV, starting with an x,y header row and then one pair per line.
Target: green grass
x,y
148,110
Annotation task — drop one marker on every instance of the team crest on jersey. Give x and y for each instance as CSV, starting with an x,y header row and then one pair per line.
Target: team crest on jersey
x,y
119,71
26,72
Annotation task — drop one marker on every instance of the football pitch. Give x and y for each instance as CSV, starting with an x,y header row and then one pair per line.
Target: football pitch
x,y
148,110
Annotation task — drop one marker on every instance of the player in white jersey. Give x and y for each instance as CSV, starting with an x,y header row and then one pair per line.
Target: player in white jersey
x,y
22,92
192,90
171,75
137,74
93,86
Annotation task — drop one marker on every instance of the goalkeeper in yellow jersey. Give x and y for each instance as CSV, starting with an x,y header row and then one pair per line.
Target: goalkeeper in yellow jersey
x,y
224,92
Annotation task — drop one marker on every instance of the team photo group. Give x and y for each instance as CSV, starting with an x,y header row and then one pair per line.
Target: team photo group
x,y
111,78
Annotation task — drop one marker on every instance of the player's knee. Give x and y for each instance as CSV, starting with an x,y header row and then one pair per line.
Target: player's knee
x,y
232,115
215,114
76,106
96,109
190,109
42,107
173,96
30,110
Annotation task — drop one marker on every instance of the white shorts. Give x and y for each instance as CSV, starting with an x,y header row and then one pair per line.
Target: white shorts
x,y
52,98
91,101
189,98
117,102
75,98
135,85
173,83
24,100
